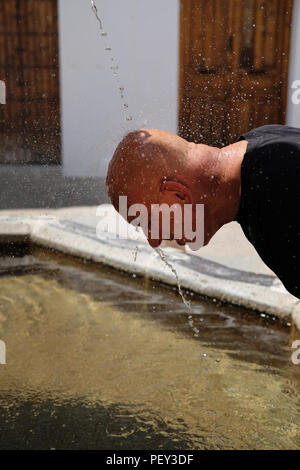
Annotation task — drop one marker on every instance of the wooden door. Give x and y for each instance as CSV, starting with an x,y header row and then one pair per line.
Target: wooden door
x,y
234,64
30,121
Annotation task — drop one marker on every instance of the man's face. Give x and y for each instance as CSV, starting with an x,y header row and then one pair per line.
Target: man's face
x,y
175,217
162,222
166,224
167,213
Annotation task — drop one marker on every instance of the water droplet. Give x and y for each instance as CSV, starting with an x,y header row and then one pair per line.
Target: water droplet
x,y
95,11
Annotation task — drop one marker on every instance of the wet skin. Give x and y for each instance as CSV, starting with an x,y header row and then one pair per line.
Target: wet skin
x,y
157,167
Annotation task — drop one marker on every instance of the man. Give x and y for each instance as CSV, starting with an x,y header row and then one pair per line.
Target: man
x,y
255,181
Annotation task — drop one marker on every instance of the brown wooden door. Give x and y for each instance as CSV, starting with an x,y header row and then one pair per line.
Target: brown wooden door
x,y
30,121
234,61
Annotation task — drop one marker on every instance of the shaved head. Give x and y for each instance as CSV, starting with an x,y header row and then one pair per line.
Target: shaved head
x,y
142,160
152,167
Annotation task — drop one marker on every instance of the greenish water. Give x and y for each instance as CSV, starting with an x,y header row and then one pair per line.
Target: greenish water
x,y
98,360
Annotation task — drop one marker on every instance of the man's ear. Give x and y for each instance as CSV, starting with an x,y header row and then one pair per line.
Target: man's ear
x,y
178,192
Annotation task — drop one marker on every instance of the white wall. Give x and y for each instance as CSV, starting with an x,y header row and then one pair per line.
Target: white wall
x,y
143,35
293,113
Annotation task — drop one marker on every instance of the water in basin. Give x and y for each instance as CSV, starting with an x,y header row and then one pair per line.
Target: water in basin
x,y
98,360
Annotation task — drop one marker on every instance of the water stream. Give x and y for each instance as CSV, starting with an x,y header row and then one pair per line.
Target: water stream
x,y
114,67
163,257
115,70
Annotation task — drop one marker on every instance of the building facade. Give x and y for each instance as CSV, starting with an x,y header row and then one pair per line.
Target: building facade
x,y
206,69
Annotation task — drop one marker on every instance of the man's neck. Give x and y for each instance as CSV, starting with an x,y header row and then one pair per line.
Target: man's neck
x,y
234,155
231,158
218,185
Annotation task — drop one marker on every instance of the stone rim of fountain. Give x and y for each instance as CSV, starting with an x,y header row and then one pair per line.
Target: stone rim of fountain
x,y
73,236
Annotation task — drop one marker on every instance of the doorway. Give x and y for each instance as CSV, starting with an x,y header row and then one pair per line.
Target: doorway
x,y
234,58
30,120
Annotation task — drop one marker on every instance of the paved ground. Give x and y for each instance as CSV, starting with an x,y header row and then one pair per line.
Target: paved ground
x,y
23,186
230,247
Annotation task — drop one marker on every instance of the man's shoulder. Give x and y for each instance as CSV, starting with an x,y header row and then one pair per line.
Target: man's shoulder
x,y
274,139
276,130
272,159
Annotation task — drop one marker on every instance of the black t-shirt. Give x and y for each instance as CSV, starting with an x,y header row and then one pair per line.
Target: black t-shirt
x,y
270,199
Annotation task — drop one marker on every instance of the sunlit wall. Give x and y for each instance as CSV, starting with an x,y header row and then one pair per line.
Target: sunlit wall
x,y
143,36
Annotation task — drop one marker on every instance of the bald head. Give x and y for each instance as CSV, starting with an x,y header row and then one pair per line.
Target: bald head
x,y
153,167
142,160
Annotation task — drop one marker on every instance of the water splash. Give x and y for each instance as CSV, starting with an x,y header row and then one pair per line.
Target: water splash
x,y
169,265
191,324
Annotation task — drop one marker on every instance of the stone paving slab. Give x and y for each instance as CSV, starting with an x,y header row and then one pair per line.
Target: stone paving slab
x,y
216,271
